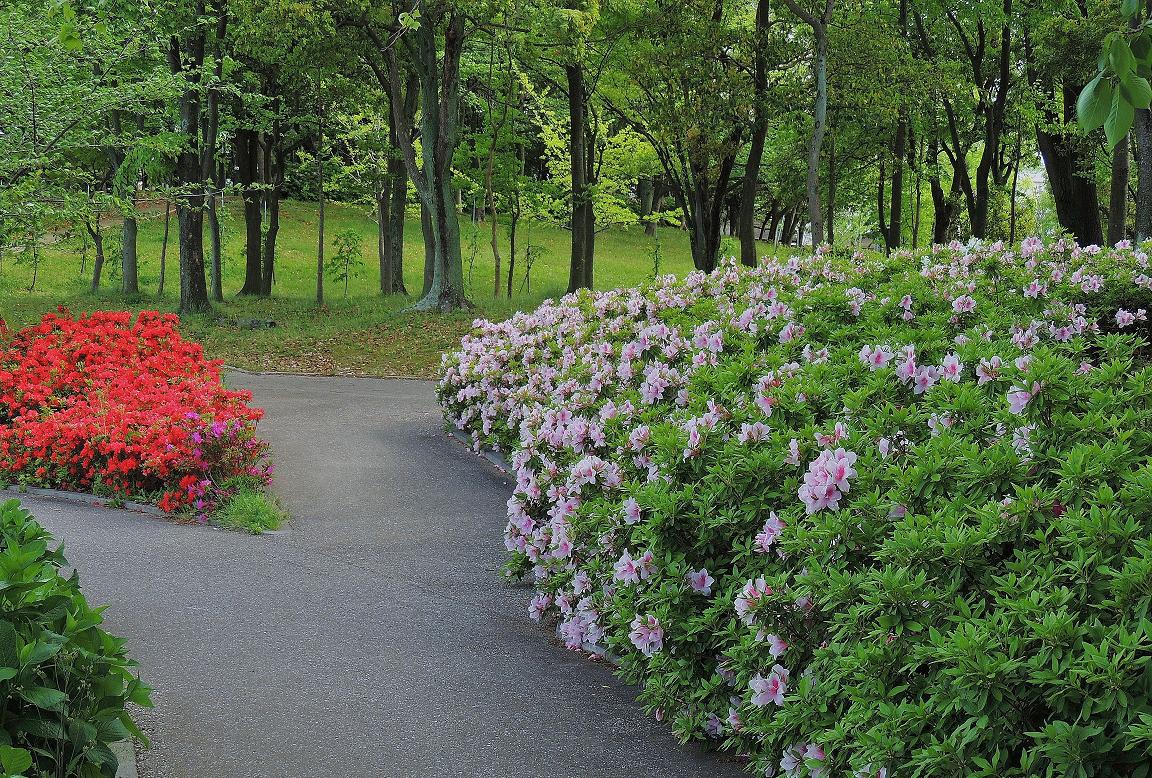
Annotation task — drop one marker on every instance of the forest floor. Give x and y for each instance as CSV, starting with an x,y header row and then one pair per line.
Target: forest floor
x,y
358,331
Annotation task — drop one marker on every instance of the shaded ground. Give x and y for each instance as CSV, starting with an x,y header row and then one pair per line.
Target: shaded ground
x,y
376,637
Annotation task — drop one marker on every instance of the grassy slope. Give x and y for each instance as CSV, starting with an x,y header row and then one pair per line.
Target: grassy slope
x,y
363,334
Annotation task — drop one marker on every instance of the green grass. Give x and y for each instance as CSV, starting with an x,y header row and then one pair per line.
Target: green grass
x,y
250,511
361,334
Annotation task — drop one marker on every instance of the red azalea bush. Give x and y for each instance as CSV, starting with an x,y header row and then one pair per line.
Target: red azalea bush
x,y
123,406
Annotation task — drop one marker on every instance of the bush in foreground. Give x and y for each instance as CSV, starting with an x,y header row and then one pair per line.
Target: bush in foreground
x,y
123,406
66,683
861,518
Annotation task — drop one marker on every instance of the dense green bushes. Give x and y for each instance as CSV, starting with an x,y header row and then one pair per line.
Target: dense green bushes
x,y
66,682
866,518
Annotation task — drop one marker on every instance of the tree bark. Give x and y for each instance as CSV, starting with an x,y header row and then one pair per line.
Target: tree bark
x,y
98,243
272,176
581,202
246,151
1072,179
438,77
319,193
750,184
186,58
1118,194
164,247
819,27
1142,130
129,273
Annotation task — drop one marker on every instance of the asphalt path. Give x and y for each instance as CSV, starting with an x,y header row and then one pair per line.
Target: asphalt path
x,y
376,636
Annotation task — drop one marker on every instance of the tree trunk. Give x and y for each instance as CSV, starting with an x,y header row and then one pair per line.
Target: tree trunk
x,y
164,247
193,286
246,153
439,81
1071,179
1142,129
819,27
429,249
750,184
1118,194
97,242
397,207
319,194
788,227
186,58
129,273
577,134
832,174
272,176
217,266
894,233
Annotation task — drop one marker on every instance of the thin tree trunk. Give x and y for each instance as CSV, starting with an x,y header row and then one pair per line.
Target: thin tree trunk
x,y
319,192
129,273
217,258
98,242
272,174
247,153
819,110
164,246
1118,194
577,134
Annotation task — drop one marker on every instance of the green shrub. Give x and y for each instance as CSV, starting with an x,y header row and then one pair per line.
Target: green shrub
x,y
874,517
66,682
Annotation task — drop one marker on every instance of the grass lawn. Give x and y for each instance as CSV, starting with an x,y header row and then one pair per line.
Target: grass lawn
x,y
363,333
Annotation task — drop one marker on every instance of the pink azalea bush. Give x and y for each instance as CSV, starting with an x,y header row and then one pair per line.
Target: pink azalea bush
x,y
847,516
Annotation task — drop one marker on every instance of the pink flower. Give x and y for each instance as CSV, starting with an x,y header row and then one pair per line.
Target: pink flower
x,y
749,597
700,581
951,368
772,529
753,433
770,690
963,304
988,370
776,645
631,511
793,457
647,634
1020,396
924,380
626,570
884,445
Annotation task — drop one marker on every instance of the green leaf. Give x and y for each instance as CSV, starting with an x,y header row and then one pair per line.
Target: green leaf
x,y
44,697
1130,8
1120,58
15,760
1137,91
1119,120
1094,104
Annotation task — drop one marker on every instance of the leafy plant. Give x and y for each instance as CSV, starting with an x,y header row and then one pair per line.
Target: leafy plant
x,y
847,515
67,683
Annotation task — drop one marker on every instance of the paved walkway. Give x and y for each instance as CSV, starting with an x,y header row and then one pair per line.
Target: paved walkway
x,y
376,637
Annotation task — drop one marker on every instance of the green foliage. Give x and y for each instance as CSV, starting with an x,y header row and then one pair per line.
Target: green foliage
x,y
348,259
67,683
250,509
977,604
1121,86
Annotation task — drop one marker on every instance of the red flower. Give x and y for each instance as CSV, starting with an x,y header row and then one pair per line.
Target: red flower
x,y
122,404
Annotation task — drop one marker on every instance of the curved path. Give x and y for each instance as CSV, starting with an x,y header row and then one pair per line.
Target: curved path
x,y
375,637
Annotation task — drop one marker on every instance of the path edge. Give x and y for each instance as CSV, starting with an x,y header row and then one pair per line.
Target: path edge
x,y
495,458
